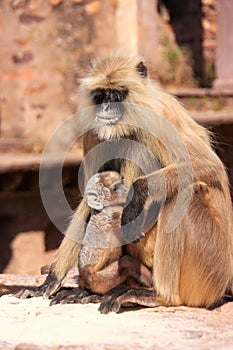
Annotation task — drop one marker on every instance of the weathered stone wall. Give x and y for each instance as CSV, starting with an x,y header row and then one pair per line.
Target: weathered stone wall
x,y
44,51
194,26
209,30
47,43
209,40
224,50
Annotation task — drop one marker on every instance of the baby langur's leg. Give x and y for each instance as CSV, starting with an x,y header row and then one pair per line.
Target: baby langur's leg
x,y
123,270
102,281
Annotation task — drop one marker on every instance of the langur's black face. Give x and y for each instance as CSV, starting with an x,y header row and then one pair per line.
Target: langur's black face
x,y
108,105
109,100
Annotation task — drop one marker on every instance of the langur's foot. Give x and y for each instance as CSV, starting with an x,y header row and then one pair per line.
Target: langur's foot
x,y
50,286
75,296
130,297
108,299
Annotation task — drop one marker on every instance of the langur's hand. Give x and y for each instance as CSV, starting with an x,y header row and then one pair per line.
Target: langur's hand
x,y
133,214
50,286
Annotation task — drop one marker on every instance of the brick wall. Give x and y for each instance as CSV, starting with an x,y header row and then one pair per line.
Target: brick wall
x,y
44,51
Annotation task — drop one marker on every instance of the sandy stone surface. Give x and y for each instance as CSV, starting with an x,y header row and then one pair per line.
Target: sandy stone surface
x,y
32,321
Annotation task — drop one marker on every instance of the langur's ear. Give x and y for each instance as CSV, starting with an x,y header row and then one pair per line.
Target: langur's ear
x,y
91,64
142,69
94,202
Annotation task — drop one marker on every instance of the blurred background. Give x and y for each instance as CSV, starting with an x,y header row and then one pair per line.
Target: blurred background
x,y
46,47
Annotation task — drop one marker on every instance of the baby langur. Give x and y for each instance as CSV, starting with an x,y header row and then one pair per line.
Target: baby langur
x,y
101,264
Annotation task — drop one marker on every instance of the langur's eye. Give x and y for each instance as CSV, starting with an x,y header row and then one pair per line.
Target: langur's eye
x,y
124,93
142,69
100,96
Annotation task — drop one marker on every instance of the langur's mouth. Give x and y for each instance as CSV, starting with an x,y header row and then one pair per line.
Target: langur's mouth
x,y
106,120
109,113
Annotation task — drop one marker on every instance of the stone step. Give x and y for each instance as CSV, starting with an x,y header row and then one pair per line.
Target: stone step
x,y
200,92
27,161
213,118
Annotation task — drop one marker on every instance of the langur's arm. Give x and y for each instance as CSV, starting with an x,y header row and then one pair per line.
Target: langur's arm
x,y
66,256
164,184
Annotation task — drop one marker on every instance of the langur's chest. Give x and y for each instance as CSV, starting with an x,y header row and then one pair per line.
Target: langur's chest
x,y
143,250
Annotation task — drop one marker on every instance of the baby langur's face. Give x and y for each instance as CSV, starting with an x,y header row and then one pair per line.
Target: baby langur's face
x,y
105,189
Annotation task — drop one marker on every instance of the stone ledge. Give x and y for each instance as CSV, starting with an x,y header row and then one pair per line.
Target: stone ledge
x,y
32,324
199,92
11,283
213,118
25,161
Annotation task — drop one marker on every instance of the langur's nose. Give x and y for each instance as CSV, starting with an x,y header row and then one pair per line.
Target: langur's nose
x,y
106,106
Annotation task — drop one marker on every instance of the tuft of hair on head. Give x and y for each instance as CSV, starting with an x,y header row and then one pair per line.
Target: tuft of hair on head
x,y
117,62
